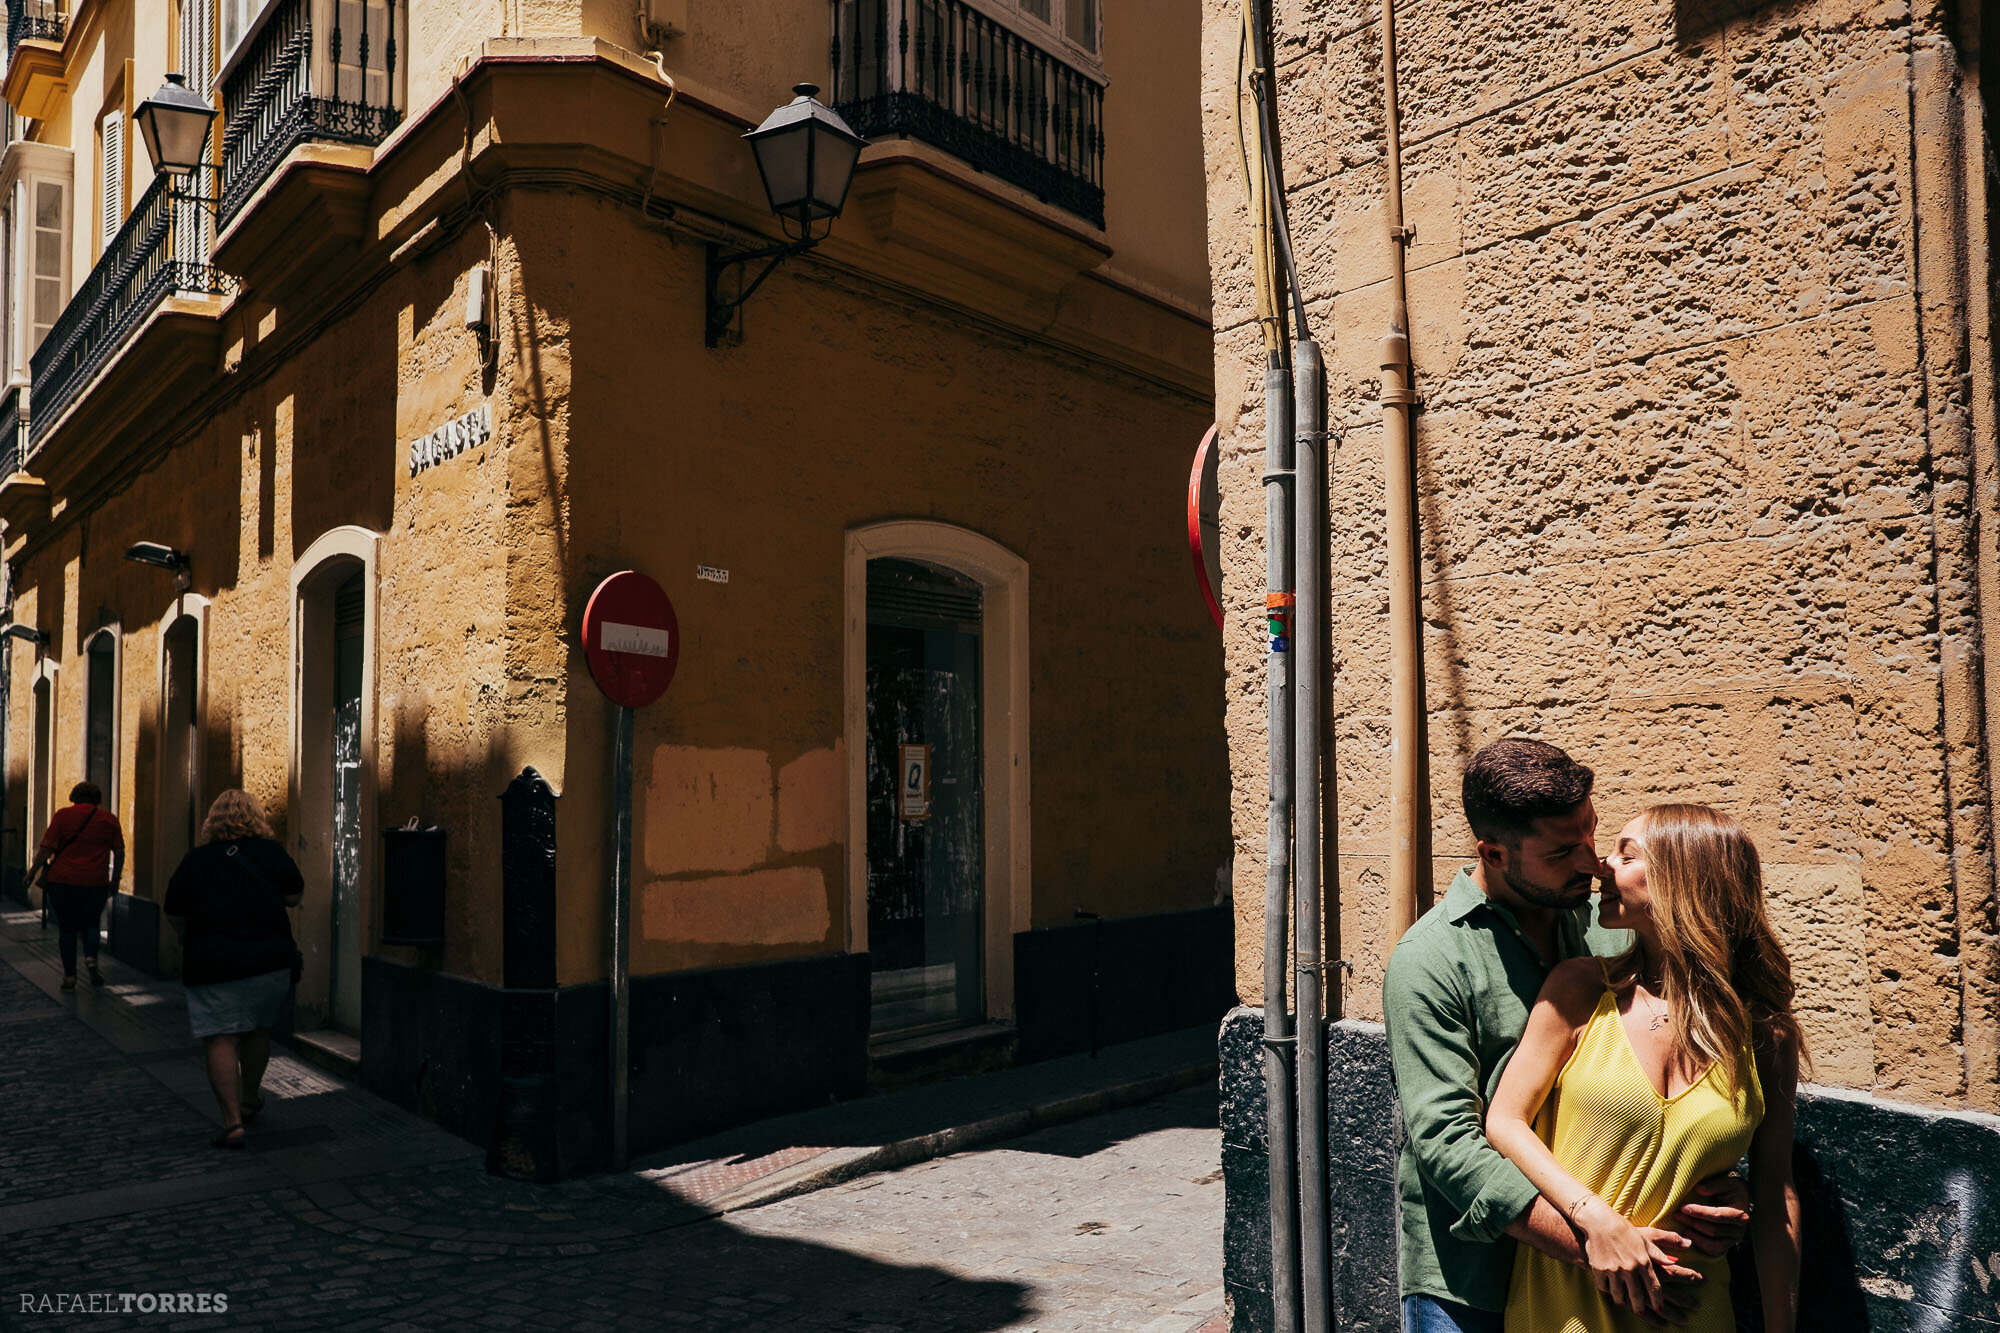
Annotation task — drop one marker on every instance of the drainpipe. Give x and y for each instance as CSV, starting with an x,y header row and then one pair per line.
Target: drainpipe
x,y
1409,800
1309,564
1278,1041
1264,183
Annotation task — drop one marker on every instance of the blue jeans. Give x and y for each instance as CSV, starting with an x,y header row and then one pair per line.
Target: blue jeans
x,y
1428,1314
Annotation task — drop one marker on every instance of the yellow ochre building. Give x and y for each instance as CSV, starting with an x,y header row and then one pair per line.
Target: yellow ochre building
x,y
418,352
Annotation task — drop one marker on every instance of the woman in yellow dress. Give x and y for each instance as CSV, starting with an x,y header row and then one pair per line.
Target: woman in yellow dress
x,y
1640,1075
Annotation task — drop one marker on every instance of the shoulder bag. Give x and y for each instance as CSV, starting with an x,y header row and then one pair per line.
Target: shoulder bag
x,y
56,856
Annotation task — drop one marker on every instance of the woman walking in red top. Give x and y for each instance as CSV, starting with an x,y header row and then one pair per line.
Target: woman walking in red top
x,y
84,850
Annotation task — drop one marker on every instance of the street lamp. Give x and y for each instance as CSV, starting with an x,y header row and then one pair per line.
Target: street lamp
x,y
25,633
806,155
175,123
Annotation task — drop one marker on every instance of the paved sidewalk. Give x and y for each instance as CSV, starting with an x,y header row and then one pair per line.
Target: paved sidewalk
x,y
349,1213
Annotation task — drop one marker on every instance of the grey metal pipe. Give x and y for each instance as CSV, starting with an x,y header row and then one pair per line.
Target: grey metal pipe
x,y
621,933
1309,560
1278,1095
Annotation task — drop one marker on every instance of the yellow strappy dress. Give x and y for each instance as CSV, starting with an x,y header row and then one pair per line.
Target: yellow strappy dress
x,y
1643,1154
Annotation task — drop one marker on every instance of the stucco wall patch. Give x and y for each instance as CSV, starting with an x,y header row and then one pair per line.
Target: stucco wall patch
x,y
783,906
707,809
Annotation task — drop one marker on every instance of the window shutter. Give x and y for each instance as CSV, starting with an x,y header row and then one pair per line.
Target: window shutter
x,y
198,44
112,177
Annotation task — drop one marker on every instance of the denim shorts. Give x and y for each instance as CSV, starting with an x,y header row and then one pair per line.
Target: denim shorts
x,y
1428,1314
238,1006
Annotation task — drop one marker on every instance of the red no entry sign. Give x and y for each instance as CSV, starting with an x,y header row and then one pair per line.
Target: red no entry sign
x,y
1204,524
631,638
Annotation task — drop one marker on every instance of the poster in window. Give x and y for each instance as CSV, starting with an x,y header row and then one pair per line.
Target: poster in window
x,y
913,778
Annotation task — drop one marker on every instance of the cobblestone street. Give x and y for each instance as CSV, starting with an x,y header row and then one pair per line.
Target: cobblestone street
x,y
349,1214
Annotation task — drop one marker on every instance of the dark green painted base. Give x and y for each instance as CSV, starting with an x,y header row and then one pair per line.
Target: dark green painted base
x,y
133,935
524,1071
1900,1226
1157,973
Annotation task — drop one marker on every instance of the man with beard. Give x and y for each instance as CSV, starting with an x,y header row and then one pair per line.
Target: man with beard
x,y
1456,1000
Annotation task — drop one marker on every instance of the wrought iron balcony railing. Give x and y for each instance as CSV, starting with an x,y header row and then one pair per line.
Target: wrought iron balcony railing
x,y
35,20
317,70
942,72
162,250
12,447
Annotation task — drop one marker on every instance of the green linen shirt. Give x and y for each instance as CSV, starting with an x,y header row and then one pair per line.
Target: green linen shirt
x,y
1455,1002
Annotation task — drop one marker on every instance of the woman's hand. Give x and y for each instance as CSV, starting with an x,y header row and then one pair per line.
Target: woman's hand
x,y
1622,1260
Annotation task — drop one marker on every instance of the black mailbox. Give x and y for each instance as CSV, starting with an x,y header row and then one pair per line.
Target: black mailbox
x,y
413,886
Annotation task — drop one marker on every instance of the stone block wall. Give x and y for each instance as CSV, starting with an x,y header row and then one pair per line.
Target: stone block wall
x,y
1899,1231
1706,445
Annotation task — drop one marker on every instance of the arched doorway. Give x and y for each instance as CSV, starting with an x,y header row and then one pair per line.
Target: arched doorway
x,y
178,813
332,820
926,847
100,714
936,704
41,782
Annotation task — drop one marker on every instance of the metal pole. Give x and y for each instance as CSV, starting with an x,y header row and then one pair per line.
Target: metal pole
x,y
1279,1118
1309,572
1409,799
621,936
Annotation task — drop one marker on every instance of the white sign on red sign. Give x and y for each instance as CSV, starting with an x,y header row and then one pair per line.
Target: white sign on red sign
x,y
637,639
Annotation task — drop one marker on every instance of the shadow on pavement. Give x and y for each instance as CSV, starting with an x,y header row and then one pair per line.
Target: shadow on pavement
x,y
1190,1108
279,1270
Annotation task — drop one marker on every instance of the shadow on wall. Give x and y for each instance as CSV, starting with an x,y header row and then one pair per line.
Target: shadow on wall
x,y
1696,19
1901,1224
1830,1292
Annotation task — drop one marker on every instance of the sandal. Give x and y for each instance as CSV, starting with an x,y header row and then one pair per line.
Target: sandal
x,y
229,1136
253,1106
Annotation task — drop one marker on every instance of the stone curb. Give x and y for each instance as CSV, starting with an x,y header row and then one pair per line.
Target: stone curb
x,y
840,1165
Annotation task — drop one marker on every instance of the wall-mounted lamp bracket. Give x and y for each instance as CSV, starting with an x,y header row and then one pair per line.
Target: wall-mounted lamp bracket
x,y
721,313
161,556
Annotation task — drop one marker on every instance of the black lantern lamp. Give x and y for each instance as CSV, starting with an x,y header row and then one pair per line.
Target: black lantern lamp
x,y
806,155
175,122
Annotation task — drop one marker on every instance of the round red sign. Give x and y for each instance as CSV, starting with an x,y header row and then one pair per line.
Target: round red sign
x,y
631,638
1204,524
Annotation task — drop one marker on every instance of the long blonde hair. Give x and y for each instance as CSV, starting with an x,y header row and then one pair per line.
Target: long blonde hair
x,y
1727,982
234,815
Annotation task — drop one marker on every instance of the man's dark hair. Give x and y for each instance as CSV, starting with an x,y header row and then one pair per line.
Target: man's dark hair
x,y
86,793
1512,783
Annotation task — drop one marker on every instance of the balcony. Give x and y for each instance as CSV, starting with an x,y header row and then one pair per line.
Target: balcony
x,y
11,423
945,73
304,77
161,251
35,32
